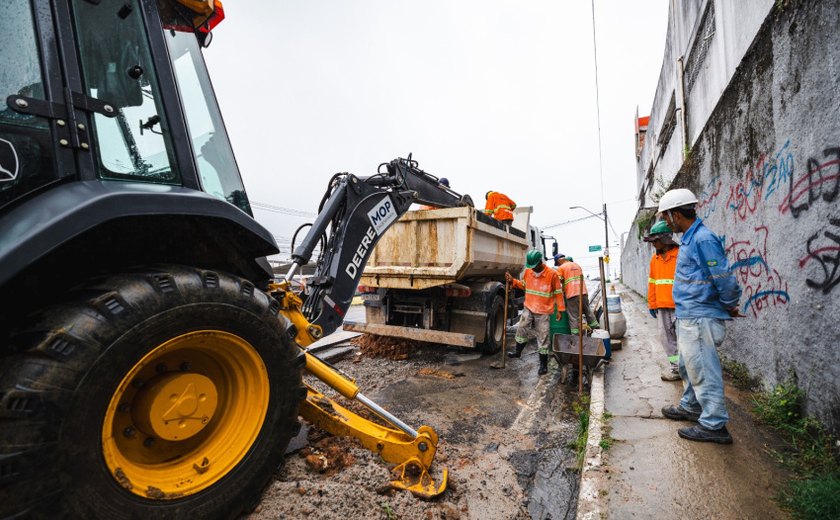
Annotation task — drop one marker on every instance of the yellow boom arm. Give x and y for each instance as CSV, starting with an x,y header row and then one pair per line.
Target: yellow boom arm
x,y
412,452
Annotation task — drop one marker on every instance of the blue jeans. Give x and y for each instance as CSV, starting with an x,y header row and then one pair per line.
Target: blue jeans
x,y
699,365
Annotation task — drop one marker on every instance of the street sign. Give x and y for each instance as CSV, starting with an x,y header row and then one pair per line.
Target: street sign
x,y
592,249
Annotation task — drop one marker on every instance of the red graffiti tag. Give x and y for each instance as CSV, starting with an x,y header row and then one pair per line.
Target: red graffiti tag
x,y
745,196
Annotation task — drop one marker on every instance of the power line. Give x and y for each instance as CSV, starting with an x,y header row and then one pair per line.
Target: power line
x,y
282,210
568,222
597,103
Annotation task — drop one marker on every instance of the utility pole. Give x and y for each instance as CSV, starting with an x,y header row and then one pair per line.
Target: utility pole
x,y
606,237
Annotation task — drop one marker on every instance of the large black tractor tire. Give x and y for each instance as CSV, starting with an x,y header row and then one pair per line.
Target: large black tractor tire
x,y
77,377
496,326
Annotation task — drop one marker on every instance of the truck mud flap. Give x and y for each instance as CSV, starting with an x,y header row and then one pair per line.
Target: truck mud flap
x,y
432,336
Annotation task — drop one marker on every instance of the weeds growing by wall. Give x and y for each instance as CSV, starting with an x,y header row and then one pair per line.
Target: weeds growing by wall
x,y
580,407
812,454
740,374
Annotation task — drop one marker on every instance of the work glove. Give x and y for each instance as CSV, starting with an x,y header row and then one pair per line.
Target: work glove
x,y
652,312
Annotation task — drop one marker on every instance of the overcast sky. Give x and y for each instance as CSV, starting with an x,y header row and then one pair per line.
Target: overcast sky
x,y
491,94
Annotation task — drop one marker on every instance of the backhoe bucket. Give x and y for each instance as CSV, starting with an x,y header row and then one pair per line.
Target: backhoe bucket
x,y
410,475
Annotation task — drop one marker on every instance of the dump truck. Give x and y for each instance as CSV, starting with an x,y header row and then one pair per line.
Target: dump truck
x,y
438,276
149,365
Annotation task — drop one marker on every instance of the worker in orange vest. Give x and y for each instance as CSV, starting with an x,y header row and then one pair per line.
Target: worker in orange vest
x,y
571,274
499,206
543,296
660,298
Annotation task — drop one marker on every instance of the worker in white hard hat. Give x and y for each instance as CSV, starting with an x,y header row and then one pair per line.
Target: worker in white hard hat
x,y
706,294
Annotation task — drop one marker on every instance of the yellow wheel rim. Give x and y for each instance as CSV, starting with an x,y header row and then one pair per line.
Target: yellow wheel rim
x,y
185,415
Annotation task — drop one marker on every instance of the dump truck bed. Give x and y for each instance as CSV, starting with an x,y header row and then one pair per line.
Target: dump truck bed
x,y
429,248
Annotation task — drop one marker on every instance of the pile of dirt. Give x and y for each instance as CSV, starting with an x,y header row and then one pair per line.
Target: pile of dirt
x,y
327,454
500,465
384,347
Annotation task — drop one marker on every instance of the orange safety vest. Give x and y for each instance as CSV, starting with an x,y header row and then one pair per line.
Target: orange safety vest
x,y
542,291
572,276
661,281
500,206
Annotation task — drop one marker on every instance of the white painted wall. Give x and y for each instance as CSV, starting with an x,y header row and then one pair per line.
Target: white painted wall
x,y
736,24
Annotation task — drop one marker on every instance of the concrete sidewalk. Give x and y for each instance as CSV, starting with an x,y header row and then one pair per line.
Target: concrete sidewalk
x,y
648,471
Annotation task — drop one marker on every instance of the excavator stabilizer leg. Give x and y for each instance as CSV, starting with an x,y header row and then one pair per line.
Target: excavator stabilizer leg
x,y
412,456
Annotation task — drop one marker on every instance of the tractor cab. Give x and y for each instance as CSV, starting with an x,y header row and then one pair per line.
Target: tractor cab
x,y
114,91
112,144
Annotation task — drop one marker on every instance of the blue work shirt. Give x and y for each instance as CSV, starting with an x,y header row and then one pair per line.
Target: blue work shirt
x,y
704,286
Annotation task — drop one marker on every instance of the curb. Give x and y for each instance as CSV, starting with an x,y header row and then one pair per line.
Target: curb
x,y
591,504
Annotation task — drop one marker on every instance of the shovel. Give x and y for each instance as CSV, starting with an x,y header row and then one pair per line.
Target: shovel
x,y
504,334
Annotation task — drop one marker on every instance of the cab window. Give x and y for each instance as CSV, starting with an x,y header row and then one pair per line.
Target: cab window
x,y
117,68
213,154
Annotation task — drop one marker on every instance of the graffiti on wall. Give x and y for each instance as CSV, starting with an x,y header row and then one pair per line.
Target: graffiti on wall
x,y
825,253
763,286
821,180
708,199
773,176
770,172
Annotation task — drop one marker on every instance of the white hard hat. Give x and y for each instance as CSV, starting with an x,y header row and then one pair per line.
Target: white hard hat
x,y
676,198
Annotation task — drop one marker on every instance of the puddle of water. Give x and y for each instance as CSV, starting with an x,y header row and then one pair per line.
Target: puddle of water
x,y
548,482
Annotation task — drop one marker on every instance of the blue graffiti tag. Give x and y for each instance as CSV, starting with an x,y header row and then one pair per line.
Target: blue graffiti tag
x,y
708,199
763,294
779,171
761,181
748,262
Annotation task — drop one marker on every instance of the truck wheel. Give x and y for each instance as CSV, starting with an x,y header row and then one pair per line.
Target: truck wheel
x,y
167,393
496,326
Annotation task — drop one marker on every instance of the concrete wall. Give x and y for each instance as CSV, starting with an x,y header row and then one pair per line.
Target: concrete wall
x,y
635,254
766,168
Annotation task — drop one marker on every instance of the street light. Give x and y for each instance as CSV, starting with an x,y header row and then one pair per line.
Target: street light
x,y
606,228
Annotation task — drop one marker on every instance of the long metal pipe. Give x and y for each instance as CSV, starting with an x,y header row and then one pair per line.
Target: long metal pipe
x,y
349,389
381,412
683,118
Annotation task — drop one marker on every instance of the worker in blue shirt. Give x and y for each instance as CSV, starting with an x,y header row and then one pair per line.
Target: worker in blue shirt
x,y
705,295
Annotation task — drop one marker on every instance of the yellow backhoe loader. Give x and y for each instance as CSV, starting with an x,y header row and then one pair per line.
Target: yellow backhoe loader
x,y
149,366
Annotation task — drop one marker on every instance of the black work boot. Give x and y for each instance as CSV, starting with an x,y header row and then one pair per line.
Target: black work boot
x,y
543,364
678,413
701,434
519,348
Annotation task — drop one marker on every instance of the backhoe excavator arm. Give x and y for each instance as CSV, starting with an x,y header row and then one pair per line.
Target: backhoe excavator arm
x,y
353,215
356,212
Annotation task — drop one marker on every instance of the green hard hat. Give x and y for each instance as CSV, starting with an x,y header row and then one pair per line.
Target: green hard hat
x,y
660,227
533,259
658,231
570,259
